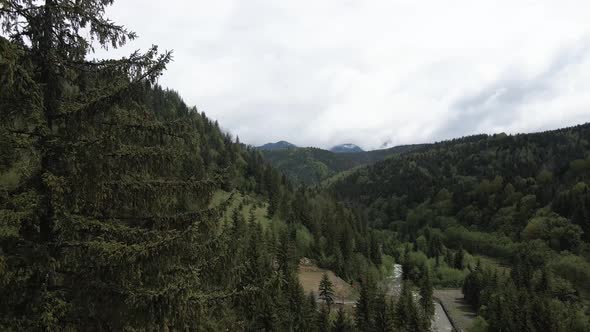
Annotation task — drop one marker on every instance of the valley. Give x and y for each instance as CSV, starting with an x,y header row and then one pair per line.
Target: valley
x,y
449,199
345,296
311,165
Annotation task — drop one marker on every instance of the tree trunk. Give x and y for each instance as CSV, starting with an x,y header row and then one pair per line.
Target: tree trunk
x,y
50,105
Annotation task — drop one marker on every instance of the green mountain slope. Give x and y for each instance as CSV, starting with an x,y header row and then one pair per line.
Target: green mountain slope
x,y
313,165
113,215
524,199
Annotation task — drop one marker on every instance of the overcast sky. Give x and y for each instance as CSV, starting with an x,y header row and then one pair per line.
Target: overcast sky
x,y
372,72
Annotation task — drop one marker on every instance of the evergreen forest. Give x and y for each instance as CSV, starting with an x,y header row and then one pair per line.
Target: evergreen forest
x,y
122,208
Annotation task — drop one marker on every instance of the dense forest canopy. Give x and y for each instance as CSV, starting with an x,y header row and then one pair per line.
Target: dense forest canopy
x,y
108,216
524,199
313,165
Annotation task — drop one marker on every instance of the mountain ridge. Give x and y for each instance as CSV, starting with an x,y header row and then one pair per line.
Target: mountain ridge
x,y
346,148
280,145
313,165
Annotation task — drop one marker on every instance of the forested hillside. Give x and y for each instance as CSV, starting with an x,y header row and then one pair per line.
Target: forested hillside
x,y
313,165
523,199
107,218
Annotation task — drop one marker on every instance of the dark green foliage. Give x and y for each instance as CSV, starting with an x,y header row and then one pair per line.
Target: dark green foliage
x,y
91,211
326,291
323,319
342,322
408,316
559,233
374,250
449,258
310,312
458,260
313,165
426,291
435,245
508,303
105,203
493,183
375,310
509,308
364,310
384,314
474,285
522,199
406,263
336,240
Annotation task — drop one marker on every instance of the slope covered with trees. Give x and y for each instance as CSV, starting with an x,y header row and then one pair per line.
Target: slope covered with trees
x,y
106,182
523,199
313,165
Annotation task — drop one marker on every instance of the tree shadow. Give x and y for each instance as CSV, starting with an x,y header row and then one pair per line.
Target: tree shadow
x,y
465,308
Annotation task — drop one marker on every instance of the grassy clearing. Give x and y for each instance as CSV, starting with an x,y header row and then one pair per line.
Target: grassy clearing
x,y
310,276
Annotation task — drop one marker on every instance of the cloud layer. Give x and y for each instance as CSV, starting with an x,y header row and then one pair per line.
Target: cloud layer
x,y
372,72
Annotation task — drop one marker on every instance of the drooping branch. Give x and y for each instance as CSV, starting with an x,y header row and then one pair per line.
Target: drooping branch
x,y
137,75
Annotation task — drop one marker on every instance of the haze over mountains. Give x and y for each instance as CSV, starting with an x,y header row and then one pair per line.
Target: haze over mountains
x,y
346,148
282,145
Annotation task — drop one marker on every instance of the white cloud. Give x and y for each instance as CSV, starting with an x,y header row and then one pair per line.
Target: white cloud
x,y
371,71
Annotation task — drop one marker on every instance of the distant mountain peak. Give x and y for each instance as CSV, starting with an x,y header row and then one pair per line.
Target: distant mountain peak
x,y
280,145
346,148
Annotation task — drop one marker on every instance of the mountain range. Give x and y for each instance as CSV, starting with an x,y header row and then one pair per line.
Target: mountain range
x,y
346,148
280,145
314,165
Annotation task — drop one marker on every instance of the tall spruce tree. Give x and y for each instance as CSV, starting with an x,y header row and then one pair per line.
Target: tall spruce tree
x,y
407,314
383,316
323,320
364,310
326,290
342,322
108,228
459,259
426,291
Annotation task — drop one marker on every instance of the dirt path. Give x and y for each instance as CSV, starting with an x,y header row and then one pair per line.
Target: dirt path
x,y
460,312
